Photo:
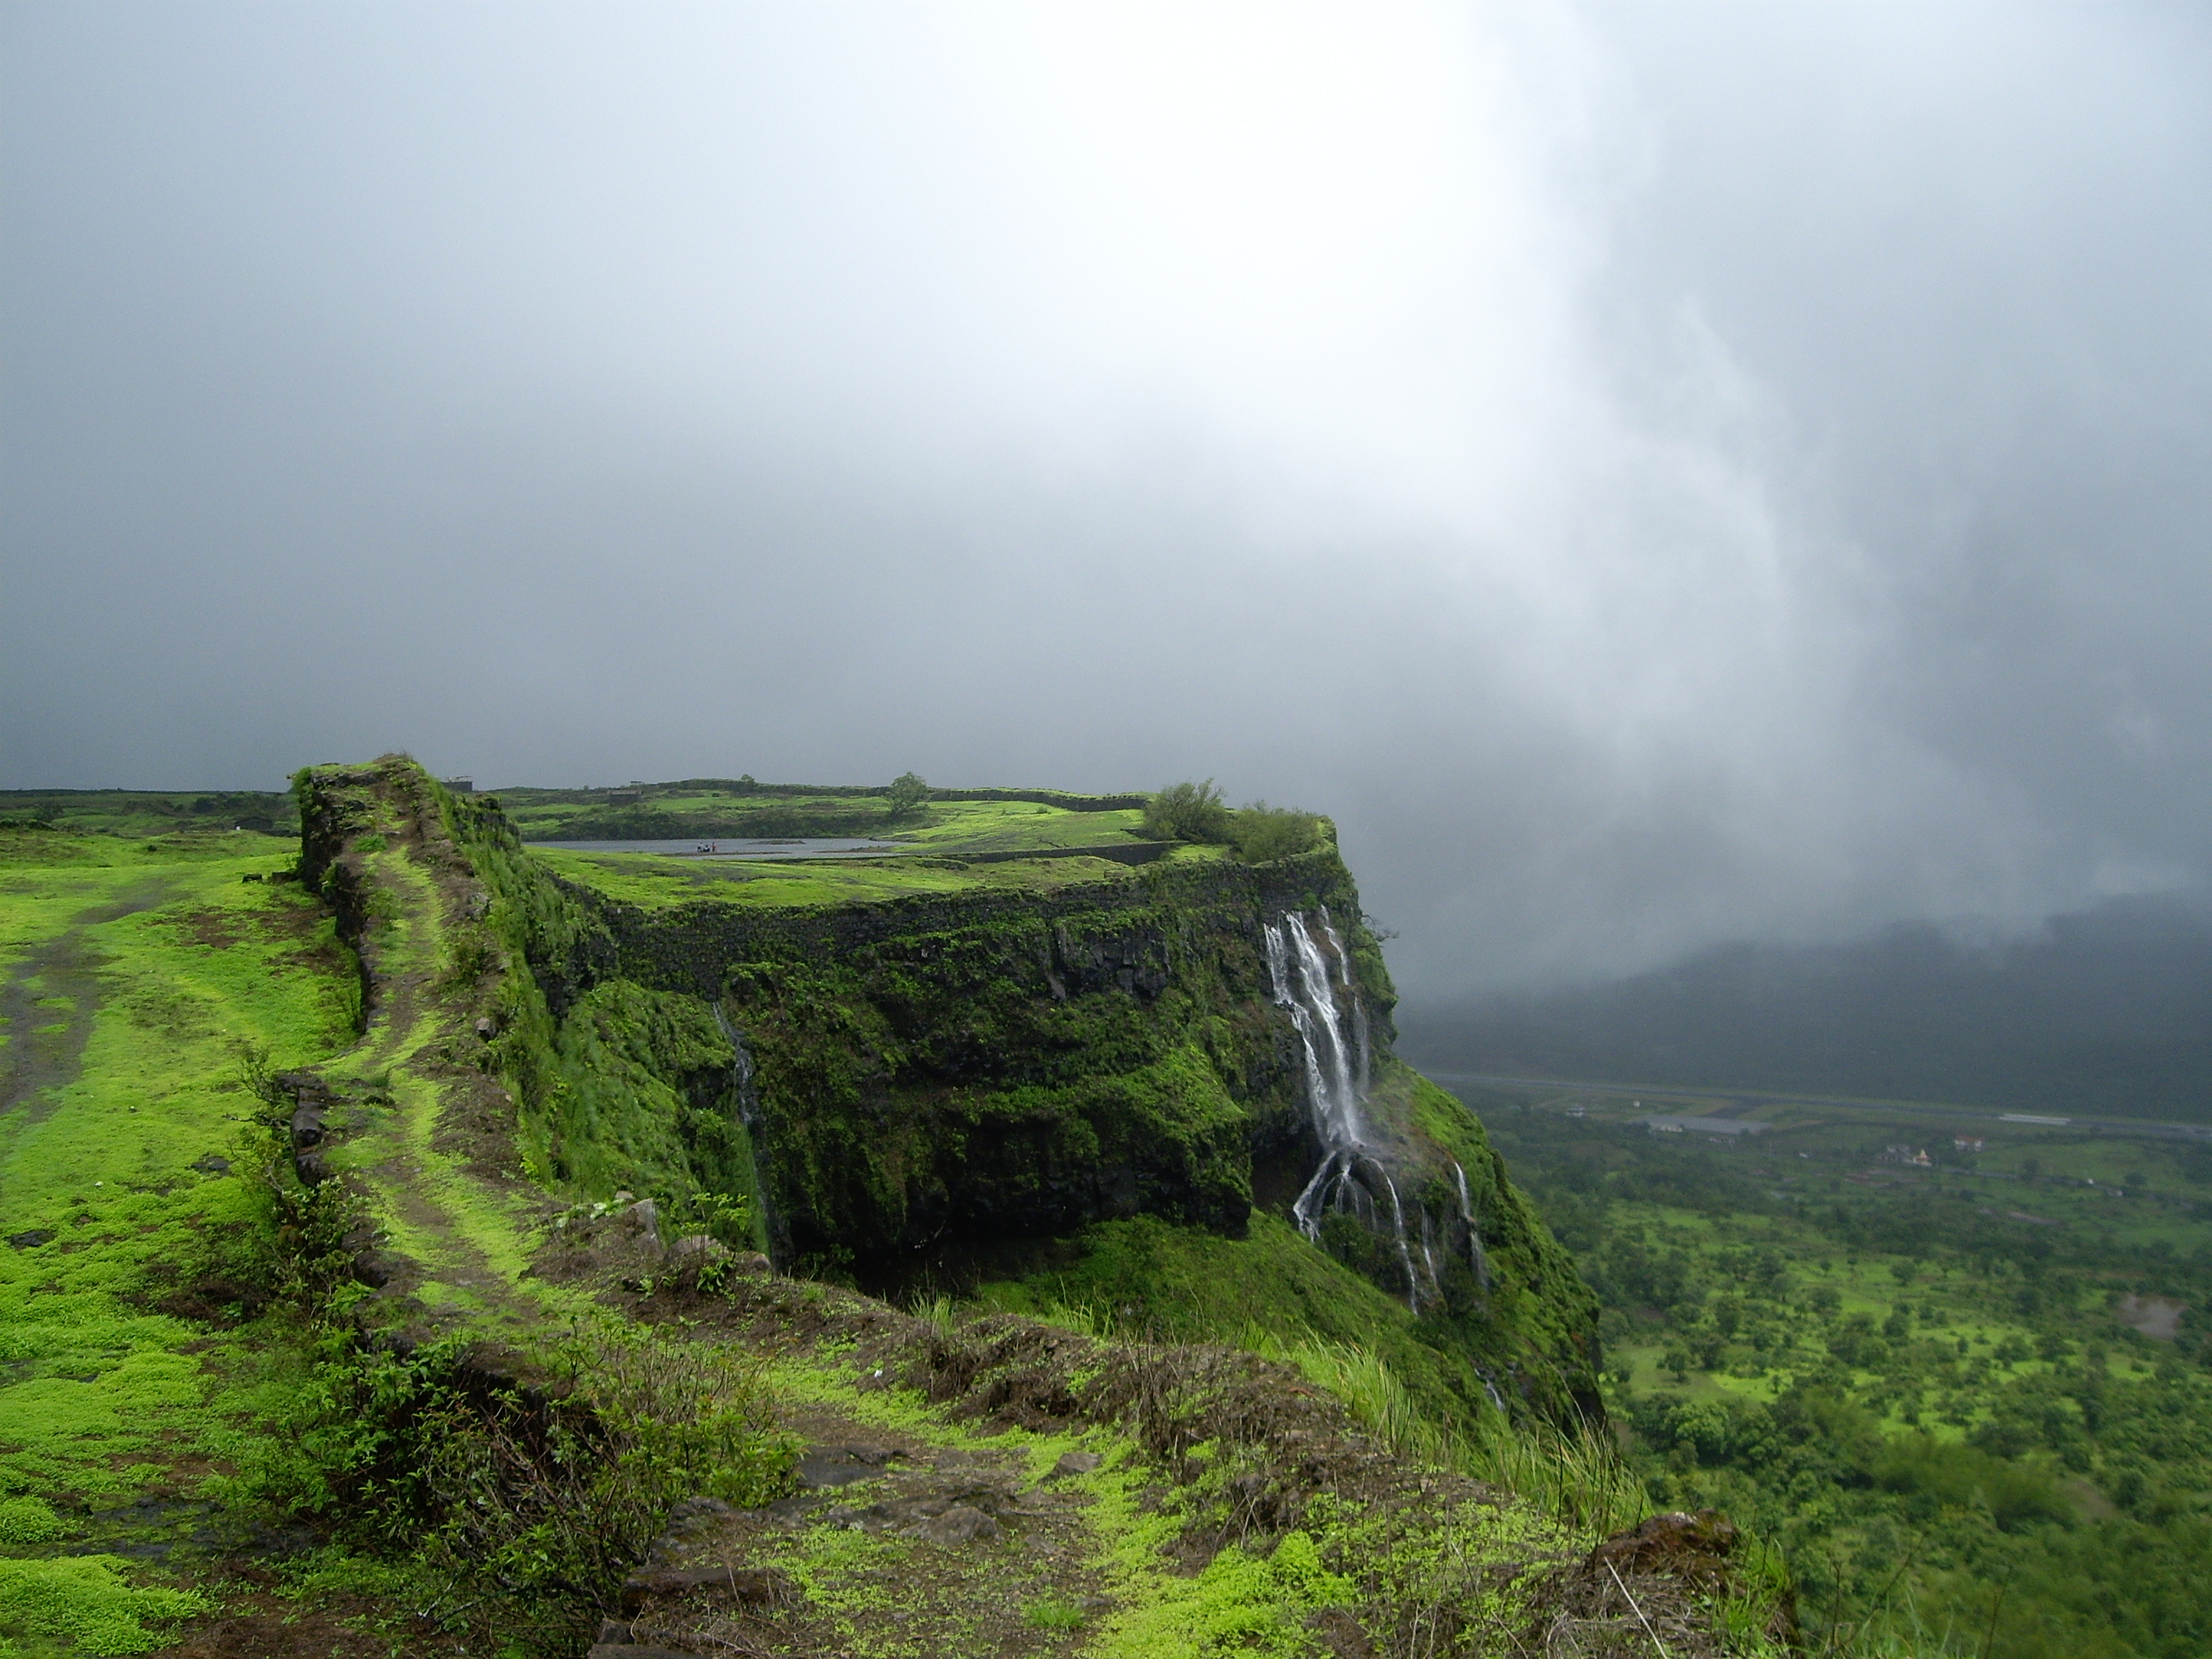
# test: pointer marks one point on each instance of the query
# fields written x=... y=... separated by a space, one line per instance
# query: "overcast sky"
x=1656 y=474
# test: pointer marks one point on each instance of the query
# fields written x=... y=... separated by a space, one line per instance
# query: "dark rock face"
x=939 y=1069
x=922 y=1090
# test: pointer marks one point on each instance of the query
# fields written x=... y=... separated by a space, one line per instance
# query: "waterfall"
x=1337 y=1076
x=749 y=1117
x=1351 y=995
x=1473 y=1232
x=1491 y=1388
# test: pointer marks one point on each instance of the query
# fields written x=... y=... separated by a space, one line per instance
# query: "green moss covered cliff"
x=939 y=1093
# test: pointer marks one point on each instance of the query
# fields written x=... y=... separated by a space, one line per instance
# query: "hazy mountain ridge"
x=2107 y=1011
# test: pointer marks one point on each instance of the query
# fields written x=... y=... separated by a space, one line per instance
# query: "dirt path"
x=908 y=1542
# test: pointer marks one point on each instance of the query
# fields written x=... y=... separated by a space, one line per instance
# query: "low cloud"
x=1656 y=478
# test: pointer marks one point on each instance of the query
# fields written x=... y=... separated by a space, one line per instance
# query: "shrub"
x=1188 y=811
x=1262 y=833
x=86 y=1601
x=907 y=792
x=1259 y=832
x=532 y=1506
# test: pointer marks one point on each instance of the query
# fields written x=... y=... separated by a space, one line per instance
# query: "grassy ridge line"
x=428 y=1126
x=434 y=943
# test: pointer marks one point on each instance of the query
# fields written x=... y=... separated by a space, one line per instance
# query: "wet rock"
x=611 y=1630
x=789 y=1511
x=698 y=1247
x=963 y=1523
x=1075 y=1463
x=213 y=1165
x=32 y=1239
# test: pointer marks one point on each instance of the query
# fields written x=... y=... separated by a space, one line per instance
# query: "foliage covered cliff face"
x=945 y=1088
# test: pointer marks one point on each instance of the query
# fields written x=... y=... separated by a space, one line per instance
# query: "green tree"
x=907 y=792
x=1188 y=811
x=1263 y=833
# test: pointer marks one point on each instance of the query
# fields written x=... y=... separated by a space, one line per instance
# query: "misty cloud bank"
x=1656 y=475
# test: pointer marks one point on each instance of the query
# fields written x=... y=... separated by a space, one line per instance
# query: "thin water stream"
x=748 y=1115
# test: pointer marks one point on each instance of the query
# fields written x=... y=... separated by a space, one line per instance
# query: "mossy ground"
x=660 y=881
x=953 y=828
x=136 y=971
x=1178 y=1531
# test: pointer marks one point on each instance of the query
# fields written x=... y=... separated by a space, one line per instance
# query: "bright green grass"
x=1239 y=1604
x=143 y=813
x=473 y=1238
x=1143 y=1277
x=105 y=1160
x=659 y=882
x=949 y=827
x=993 y=826
x=104 y=1398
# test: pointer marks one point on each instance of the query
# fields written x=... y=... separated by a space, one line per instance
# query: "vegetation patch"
x=1915 y=1378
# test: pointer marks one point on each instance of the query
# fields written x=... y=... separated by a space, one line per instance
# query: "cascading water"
x=1336 y=1081
x=1352 y=999
x=1474 y=1231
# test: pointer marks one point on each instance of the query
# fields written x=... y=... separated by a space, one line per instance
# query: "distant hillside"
x=2109 y=1011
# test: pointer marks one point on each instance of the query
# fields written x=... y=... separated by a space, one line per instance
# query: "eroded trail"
x=414 y=1112
x=899 y=1541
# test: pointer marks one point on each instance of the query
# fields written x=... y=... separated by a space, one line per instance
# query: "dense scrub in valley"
x=1971 y=1396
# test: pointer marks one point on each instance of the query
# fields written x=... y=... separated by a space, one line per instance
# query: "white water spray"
x=1473 y=1232
x=1337 y=1074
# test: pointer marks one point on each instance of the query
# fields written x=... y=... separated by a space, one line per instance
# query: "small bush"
x=28 y=1521
x=907 y=792
x=1262 y=833
x=1259 y=832
x=1188 y=811
x=530 y=1507
x=725 y=1217
x=1055 y=1613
